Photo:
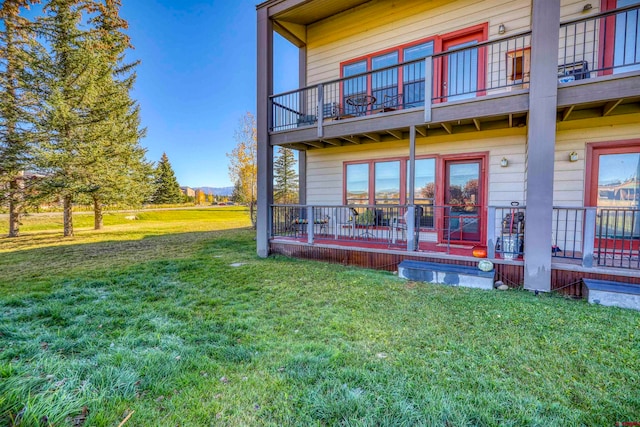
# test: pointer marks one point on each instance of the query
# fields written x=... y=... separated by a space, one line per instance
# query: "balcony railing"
x=607 y=43
x=602 y=44
x=588 y=236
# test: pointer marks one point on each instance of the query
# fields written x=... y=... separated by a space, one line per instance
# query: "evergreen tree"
x=167 y=187
x=90 y=126
x=119 y=172
x=16 y=40
x=285 y=188
x=69 y=78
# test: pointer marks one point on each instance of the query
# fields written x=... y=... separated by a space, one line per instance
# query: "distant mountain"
x=217 y=191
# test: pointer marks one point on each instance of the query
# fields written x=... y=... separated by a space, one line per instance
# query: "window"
x=413 y=74
x=357 y=184
x=356 y=85
x=384 y=84
x=387 y=183
x=425 y=181
x=395 y=87
x=518 y=66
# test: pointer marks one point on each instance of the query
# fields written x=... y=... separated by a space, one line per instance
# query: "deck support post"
x=491 y=232
x=541 y=139
x=589 y=237
x=302 y=177
x=310 y=224
x=411 y=208
x=428 y=88
x=320 y=107
x=263 y=118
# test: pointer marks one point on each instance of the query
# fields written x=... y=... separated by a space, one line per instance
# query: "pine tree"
x=69 y=79
x=90 y=126
x=16 y=40
x=119 y=172
x=285 y=188
x=167 y=187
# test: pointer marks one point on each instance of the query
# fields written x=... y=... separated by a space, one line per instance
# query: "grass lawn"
x=173 y=320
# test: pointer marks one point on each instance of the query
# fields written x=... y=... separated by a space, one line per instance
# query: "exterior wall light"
x=502 y=29
x=587 y=7
x=504 y=162
x=573 y=156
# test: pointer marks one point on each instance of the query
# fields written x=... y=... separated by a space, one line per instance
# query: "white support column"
x=263 y=117
x=541 y=135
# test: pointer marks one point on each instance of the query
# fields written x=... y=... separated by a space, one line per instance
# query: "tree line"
x=69 y=128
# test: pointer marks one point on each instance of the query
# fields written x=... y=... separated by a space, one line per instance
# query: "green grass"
x=149 y=316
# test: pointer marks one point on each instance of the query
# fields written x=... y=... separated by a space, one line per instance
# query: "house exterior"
x=433 y=129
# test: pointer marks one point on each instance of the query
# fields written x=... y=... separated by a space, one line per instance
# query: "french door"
x=614 y=188
x=620 y=38
x=464 y=200
x=463 y=69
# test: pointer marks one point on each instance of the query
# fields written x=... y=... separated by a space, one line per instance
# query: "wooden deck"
x=383 y=254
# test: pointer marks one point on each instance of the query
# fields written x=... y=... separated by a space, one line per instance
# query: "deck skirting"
x=565 y=280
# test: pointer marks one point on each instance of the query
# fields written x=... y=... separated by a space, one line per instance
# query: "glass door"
x=463 y=199
x=615 y=191
x=626 y=53
x=462 y=72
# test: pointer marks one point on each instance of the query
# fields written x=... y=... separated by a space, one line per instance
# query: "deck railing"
x=618 y=238
x=601 y=44
x=604 y=237
x=598 y=45
x=396 y=227
x=485 y=68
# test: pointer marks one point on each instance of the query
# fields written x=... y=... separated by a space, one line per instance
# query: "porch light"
x=504 y=162
x=502 y=29
x=587 y=7
x=573 y=156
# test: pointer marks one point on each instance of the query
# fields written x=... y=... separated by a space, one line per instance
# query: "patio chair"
x=391 y=103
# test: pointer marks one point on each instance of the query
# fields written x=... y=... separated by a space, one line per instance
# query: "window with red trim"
x=392 y=87
x=385 y=181
x=459 y=75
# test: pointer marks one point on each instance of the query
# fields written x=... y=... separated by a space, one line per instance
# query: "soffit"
x=317 y=10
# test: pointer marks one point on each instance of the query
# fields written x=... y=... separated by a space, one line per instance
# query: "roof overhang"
x=291 y=17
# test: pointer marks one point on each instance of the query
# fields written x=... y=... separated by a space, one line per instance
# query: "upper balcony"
x=468 y=87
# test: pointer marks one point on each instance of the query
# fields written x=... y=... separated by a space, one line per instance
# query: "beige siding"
x=385 y=24
x=569 y=183
x=382 y=24
x=325 y=167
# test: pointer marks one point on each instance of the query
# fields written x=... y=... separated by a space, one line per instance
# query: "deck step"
x=447 y=274
x=616 y=294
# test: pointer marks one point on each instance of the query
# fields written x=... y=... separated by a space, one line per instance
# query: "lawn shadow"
x=66 y=257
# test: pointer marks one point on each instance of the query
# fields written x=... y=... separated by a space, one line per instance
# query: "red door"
x=614 y=188
x=463 y=70
x=464 y=199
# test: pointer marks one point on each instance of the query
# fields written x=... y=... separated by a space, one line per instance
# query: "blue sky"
x=197 y=79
